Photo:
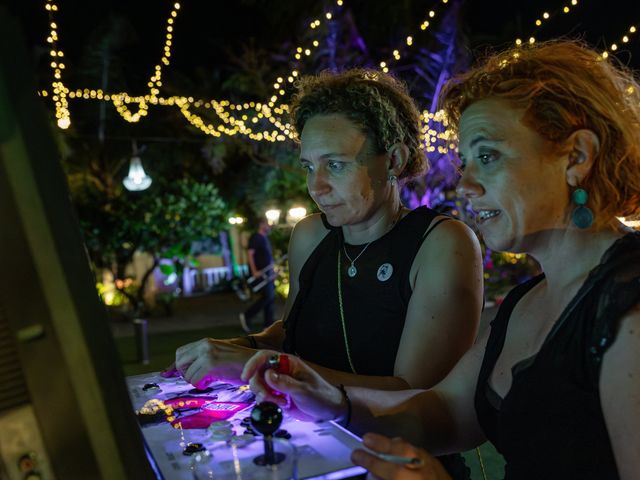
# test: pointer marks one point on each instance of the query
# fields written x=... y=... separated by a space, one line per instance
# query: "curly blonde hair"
x=563 y=86
x=376 y=102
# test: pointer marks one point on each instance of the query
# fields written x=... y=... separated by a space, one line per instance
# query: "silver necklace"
x=352 y=271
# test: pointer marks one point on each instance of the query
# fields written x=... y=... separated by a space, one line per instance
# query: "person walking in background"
x=260 y=260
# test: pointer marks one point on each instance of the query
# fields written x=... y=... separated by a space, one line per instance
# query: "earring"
x=582 y=216
x=393 y=179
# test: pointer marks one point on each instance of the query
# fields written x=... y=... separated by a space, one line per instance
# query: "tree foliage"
x=163 y=221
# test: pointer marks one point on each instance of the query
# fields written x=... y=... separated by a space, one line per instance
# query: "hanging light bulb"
x=137 y=179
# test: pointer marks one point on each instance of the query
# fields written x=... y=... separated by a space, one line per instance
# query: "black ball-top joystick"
x=266 y=418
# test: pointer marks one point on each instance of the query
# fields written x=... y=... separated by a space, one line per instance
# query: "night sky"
x=210 y=34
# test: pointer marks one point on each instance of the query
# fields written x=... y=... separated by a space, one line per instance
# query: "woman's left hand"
x=426 y=468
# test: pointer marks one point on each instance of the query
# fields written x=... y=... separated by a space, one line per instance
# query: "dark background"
x=209 y=36
x=236 y=49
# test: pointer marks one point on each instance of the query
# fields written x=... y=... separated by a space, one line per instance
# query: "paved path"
x=196 y=313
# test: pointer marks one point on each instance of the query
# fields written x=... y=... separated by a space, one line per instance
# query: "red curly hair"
x=563 y=86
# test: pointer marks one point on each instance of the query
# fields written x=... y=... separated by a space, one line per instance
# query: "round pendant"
x=384 y=272
x=352 y=271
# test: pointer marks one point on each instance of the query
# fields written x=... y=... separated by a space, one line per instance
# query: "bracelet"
x=252 y=341
x=347 y=417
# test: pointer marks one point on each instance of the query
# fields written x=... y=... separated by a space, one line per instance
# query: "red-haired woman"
x=549 y=139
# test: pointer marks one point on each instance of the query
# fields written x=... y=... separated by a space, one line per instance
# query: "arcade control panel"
x=218 y=432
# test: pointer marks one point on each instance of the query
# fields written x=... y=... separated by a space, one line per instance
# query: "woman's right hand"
x=307 y=396
x=426 y=466
x=205 y=361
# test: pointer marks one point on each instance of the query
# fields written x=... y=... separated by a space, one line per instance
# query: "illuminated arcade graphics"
x=211 y=433
x=62 y=392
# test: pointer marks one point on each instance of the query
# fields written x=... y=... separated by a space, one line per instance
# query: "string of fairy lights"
x=225 y=110
x=269 y=110
x=626 y=37
x=249 y=118
x=544 y=17
x=384 y=65
x=60 y=91
x=124 y=102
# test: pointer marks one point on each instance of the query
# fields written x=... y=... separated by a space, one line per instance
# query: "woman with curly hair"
x=549 y=139
x=380 y=296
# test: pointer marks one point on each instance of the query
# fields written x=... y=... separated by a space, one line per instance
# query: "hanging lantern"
x=137 y=179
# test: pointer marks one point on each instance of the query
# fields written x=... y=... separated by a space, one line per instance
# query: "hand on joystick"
x=279 y=363
x=266 y=418
x=307 y=396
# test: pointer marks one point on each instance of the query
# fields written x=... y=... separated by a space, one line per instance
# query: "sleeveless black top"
x=550 y=424
x=374 y=302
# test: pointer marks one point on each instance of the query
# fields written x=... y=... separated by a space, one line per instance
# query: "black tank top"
x=374 y=302
x=550 y=424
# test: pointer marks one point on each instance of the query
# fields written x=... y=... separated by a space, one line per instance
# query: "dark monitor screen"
x=56 y=350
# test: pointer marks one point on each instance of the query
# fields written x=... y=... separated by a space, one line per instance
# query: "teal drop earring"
x=582 y=216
